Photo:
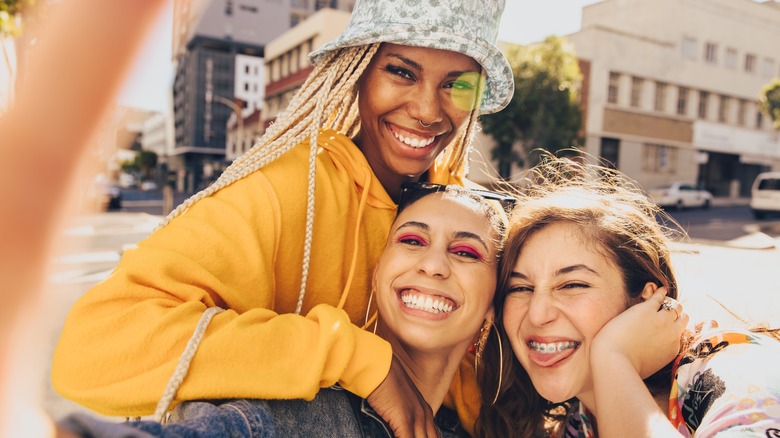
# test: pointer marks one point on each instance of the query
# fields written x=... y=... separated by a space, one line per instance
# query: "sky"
x=523 y=22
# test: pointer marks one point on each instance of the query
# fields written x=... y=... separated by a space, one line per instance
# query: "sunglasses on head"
x=412 y=191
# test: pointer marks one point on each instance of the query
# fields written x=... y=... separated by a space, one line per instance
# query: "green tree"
x=544 y=112
x=145 y=162
x=10 y=16
x=142 y=165
x=769 y=102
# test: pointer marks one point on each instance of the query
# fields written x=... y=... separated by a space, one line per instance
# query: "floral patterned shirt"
x=726 y=385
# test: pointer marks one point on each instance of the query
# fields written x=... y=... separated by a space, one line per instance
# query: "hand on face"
x=646 y=334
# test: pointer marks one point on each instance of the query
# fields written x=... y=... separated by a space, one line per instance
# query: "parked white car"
x=680 y=195
x=765 y=196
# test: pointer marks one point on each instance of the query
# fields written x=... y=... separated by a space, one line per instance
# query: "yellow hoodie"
x=241 y=249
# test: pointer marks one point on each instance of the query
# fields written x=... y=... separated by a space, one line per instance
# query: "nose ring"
x=424 y=125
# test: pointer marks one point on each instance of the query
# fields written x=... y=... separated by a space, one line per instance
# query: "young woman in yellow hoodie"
x=252 y=289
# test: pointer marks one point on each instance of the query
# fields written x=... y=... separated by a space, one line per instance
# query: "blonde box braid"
x=323 y=101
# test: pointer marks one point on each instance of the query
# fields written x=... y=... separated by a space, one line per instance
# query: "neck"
x=431 y=371
x=390 y=180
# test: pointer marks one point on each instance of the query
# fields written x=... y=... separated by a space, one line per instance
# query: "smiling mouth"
x=552 y=347
x=413 y=141
x=426 y=303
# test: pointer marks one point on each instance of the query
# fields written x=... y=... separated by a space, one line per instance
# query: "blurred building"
x=218 y=50
x=287 y=67
x=287 y=63
x=672 y=86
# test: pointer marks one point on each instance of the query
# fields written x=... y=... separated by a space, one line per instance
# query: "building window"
x=636 y=91
x=767 y=67
x=723 y=108
x=610 y=152
x=759 y=120
x=660 y=96
x=750 y=63
x=689 y=48
x=228 y=7
x=659 y=159
x=248 y=8
x=741 y=109
x=703 y=98
x=682 y=101
x=731 y=58
x=612 y=91
x=296 y=59
x=711 y=53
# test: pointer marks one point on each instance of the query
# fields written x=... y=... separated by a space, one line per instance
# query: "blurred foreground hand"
x=71 y=77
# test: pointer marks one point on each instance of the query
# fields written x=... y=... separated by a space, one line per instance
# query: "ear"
x=373 y=278
x=648 y=290
x=490 y=315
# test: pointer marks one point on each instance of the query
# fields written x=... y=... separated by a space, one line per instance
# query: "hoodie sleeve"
x=122 y=340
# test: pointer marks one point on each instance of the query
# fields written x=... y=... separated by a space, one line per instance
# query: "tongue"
x=550 y=359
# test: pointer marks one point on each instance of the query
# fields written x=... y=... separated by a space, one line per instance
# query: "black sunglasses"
x=412 y=191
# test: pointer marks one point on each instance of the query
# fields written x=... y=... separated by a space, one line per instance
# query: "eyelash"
x=466 y=251
x=399 y=71
x=461 y=85
x=412 y=239
x=406 y=74
x=520 y=289
x=575 y=284
x=529 y=289
x=459 y=250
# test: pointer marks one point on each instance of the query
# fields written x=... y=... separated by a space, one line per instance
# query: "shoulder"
x=285 y=179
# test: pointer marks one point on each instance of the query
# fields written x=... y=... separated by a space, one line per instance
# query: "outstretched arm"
x=70 y=80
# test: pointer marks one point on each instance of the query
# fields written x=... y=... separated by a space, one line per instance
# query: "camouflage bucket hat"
x=469 y=27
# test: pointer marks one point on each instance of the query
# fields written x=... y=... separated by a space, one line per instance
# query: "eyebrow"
x=566 y=270
x=418 y=67
x=457 y=235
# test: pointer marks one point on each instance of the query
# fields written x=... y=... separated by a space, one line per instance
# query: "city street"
x=728 y=260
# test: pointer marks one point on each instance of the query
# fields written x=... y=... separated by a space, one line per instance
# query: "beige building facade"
x=672 y=89
x=286 y=57
x=669 y=91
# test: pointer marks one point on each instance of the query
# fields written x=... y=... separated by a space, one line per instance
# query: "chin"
x=552 y=391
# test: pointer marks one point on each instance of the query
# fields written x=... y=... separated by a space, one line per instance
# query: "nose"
x=434 y=263
x=541 y=309
x=425 y=104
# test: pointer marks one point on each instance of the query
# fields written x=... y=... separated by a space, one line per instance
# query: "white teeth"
x=414 y=142
x=553 y=347
x=426 y=303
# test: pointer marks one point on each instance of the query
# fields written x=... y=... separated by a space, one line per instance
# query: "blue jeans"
x=334 y=412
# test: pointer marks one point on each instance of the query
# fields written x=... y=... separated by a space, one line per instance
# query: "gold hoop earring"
x=484 y=334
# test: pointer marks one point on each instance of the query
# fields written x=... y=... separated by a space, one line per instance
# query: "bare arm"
x=633 y=346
